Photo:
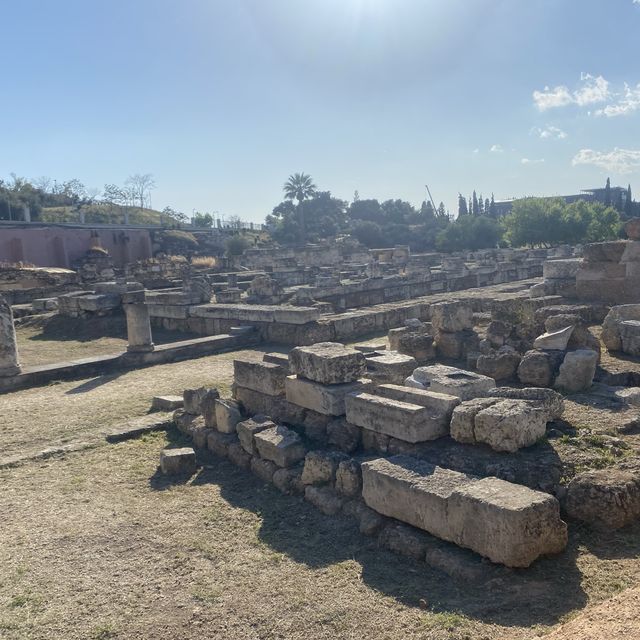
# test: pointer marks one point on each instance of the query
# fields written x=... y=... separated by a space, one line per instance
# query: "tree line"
x=308 y=214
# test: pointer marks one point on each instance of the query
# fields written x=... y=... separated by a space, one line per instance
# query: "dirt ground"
x=96 y=544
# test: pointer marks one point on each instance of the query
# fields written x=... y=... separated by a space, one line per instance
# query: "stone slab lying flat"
x=451 y=380
x=329 y=400
x=166 y=403
x=502 y=521
x=402 y=420
x=280 y=445
x=264 y=377
x=327 y=363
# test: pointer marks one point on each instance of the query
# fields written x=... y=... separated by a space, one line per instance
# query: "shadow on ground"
x=541 y=594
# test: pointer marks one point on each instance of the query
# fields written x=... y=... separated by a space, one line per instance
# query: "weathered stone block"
x=166 y=403
x=550 y=400
x=264 y=469
x=500 y=365
x=611 y=251
x=323 y=498
x=327 y=363
x=346 y=437
x=247 y=429
x=391 y=367
x=455 y=346
x=577 y=370
x=289 y=480
x=463 y=419
x=565 y=268
x=349 y=478
x=630 y=337
x=451 y=316
x=219 y=443
x=402 y=420
x=510 y=425
x=539 y=368
x=418 y=345
x=264 y=377
x=178 y=461
x=452 y=381
x=238 y=455
x=322 y=398
x=320 y=467
x=280 y=445
x=506 y=522
x=193 y=398
x=281 y=359
x=228 y=415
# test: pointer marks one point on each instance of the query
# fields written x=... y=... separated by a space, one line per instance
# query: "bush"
x=236 y=245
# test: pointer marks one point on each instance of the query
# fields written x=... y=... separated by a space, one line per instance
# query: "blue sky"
x=222 y=99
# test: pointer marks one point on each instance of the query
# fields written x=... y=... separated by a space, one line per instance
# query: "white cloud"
x=550 y=132
x=592 y=90
x=552 y=98
x=496 y=148
x=627 y=103
x=616 y=161
x=529 y=161
x=476 y=151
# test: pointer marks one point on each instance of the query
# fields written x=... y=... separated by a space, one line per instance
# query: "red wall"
x=61 y=246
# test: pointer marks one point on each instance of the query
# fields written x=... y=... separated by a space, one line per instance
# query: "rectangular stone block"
x=413 y=491
x=281 y=359
x=178 y=461
x=506 y=522
x=327 y=363
x=228 y=415
x=166 y=403
x=325 y=399
x=247 y=429
x=391 y=367
x=264 y=377
x=402 y=420
x=281 y=445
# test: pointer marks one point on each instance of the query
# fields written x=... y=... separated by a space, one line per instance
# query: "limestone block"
x=506 y=522
x=611 y=251
x=453 y=381
x=187 y=423
x=254 y=402
x=166 y=403
x=549 y=399
x=412 y=491
x=281 y=359
x=200 y=437
x=630 y=337
x=248 y=428
x=195 y=398
x=509 y=425
x=322 y=398
x=280 y=445
x=370 y=521
x=402 y=420
x=327 y=363
x=289 y=480
x=391 y=367
x=606 y=498
x=320 y=467
x=455 y=346
x=324 y=498
x=554 y=340
x=371 y=347
x=418 y=345
x=631 y=252
x=632 y=228
x=238 y=455
x=539 y=368
x=451 y=316
x=349 y=478
x=264 y=469
x=178 y=461
x=440 y=405
x=577 y=370
x=228 y=415
x=264 y=377
x=403 y=540
x=346 y=437
x=99 y=302
x=499 y=366
x=565 y=268
x=611 y=324
x=394 y=336
x=462 y=425
x=220 y=443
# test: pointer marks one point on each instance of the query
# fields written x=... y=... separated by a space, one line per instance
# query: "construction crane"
x=433 y=204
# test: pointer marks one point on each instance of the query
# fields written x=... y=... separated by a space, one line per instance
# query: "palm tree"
x=299 y=187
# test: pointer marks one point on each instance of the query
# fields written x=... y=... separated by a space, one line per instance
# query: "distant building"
x=618 y=195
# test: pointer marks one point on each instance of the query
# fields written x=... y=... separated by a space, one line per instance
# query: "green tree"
x=236 y=245
x=607 y=193
x=300 y=187
x=628 y=204
x=474 y=204
x=469 y=232
x=462 y=206
x=202 y=219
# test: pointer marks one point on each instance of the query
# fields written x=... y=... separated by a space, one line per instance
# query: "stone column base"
x=140 y=348
x=7 y=372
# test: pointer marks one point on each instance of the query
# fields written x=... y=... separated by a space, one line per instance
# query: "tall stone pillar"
x=8 y=348
x=138 y=323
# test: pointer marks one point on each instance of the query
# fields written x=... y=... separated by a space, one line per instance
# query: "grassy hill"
x=102 y=213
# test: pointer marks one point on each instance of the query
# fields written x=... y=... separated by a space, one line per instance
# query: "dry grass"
x=204 y=261
x=99 y=545
x=81 y=410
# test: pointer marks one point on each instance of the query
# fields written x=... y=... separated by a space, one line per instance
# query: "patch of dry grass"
x=99 y=545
